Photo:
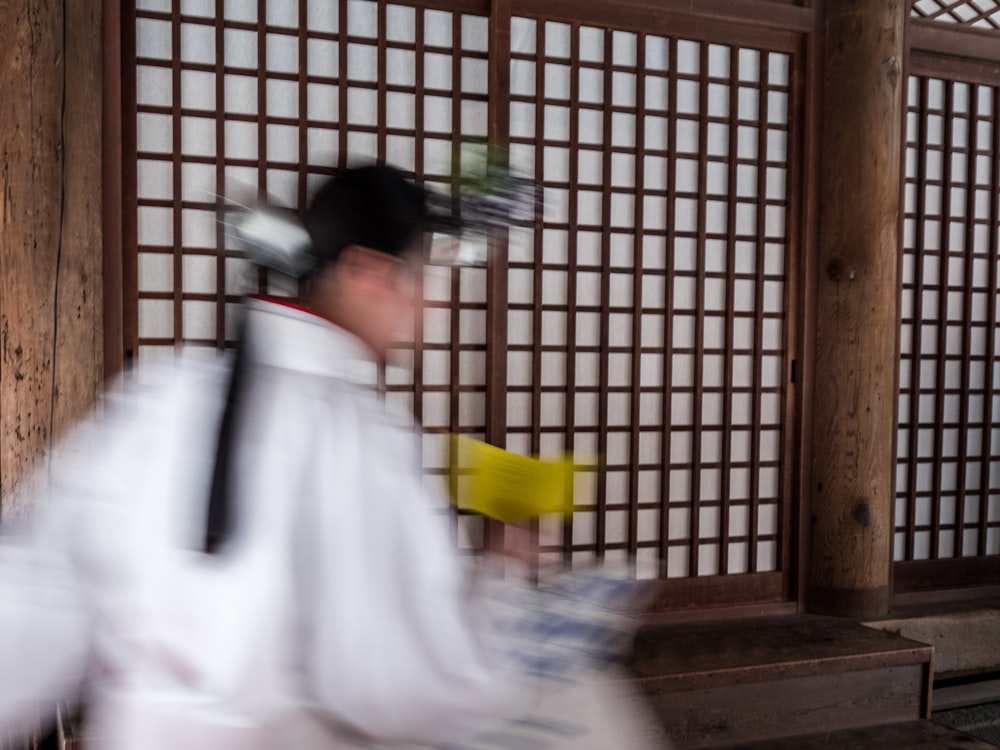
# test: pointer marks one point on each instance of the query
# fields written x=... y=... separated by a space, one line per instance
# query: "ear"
x=356 y=261
x=334 y=280
x=351 y=259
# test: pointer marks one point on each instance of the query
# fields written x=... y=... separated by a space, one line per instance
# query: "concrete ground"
x=979 y=721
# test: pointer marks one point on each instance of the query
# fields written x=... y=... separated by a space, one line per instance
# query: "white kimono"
x=338 y=612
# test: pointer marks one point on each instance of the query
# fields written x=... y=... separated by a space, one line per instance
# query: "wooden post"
x=496 y=308
x=50 y=229
x=498 y=126
x=856 y=316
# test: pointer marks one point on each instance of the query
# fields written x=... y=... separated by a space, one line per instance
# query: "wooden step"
x=718 y=683
x=958 y=690
x=966 y=640
x=908 y=735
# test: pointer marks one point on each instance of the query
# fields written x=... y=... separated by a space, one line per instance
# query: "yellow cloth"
x=507 y=486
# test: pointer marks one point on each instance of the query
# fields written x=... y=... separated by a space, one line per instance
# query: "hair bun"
x=275 y=239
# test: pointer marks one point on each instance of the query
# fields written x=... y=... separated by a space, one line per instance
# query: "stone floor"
x=979 y=721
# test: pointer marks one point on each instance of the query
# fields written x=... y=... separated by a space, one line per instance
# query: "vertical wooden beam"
x=79 y=348
x=51 y=299
x=855 y=366
x=111 y=194
x=496 y=301
x=804 y=375
x=128 y=147
x=497 y=291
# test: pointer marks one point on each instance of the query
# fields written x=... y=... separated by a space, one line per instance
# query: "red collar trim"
x=282 y=302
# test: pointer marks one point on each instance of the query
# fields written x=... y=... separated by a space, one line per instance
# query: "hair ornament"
x=272 y=237
x=487 y=195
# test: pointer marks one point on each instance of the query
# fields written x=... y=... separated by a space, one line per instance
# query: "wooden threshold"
x=908 y=735
x=702 y=655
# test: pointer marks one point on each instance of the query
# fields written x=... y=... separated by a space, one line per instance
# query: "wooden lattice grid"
x=673 y=336
x=978 y=14
x=666 y=363
x=235 y=98
x=948 y=467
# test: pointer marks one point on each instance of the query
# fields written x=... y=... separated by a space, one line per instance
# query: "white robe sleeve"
x=53 y=565
x=395 y=646
x=45 y=618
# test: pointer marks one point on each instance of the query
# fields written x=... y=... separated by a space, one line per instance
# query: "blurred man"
x=246 y=558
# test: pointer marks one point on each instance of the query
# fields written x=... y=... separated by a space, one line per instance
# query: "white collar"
x=281 y=335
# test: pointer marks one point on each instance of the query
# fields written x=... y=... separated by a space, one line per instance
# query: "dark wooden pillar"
x=856 y=316
x=50 y=229
x=498 y=275
x=496 y=308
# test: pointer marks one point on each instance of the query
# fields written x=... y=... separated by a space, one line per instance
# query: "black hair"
x=374 y=206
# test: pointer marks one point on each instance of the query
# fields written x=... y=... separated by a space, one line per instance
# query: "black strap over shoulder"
x=220 y=517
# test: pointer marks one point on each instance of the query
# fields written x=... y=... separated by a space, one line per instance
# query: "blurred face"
x=370 y=294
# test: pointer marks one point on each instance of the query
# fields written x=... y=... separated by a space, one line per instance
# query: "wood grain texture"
x=715 y=717
x=717 y=683
x=965 y=642
x=50 y=248
x=112 y=196
x=856 y=304
x=907 y=735
x=683 y=656
x=80 y=342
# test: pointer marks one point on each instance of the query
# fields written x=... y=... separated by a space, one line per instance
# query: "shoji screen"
x=647 y=314
x=948 y=471
x=235 y=97
x=650 y=315
x=978 y=14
